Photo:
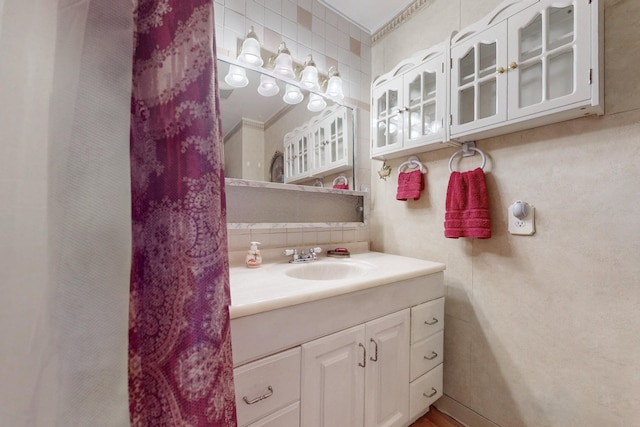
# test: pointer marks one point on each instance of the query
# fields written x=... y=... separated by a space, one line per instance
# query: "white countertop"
x=256 y=290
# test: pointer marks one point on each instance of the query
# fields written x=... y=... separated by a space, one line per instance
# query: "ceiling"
x=371 y=15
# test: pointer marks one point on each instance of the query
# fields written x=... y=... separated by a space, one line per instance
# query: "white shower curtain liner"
x=65 y=220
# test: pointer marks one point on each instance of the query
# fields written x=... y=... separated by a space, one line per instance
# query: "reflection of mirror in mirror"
x=255 y=123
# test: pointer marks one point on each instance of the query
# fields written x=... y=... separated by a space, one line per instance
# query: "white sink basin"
x=327 y=270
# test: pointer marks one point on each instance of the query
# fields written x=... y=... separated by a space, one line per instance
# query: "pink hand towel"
x=410 y=184
x=467 y=206
x=340 y=186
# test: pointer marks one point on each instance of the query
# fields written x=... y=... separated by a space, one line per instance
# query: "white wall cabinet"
x=358 y=377
x=526 y=64
x=319 y=147
x=529 y=63
x=408 y=107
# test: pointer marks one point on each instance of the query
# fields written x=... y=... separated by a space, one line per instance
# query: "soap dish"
x=339 y=253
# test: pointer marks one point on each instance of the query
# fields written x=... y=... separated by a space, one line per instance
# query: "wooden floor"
x=435 y=418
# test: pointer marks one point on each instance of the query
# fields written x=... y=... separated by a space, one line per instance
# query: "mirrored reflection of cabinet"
x=530 y=63
x=409 y=105
x=320 y=147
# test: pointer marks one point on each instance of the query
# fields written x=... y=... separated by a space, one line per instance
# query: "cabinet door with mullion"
x=549 y=56
x=479 y=81
x=387 y=117
x=423 y=111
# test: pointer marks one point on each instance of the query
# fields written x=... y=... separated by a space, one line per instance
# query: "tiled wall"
x=307 y=27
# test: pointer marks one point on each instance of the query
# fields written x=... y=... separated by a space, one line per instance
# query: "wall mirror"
x=269 y=140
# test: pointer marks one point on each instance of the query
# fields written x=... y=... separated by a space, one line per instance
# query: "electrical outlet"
x=525 y=226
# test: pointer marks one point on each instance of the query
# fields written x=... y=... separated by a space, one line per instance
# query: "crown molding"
x=399 y=19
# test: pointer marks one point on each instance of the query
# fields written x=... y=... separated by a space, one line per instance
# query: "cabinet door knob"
x=259 y=398
x=513 y=65
x=375 y=355
x=364 y=356
x=433 y=393
x=432 y=322
x=432 y=356
x=500 y=70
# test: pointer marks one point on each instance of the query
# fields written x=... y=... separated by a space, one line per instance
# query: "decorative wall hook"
x=384 y=171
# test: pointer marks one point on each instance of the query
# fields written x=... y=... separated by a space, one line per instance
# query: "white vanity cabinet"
x=268 y=391
x=408 y=106
x=358 y=377
x=530 y=62
x=427 y=350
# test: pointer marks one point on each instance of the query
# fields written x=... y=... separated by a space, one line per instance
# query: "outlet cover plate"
x=522 y=227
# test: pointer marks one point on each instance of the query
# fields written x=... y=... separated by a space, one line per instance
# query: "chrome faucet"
x=302 y=256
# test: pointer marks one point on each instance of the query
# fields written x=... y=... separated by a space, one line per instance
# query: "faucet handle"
x=315 y=250
x=290 y=252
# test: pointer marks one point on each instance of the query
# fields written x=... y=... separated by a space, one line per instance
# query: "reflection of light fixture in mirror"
x=236 y=77
x=334 y=87
x=309 y=77
x=316 y=103
x=292 y=94
x=268 y=86
x=250 y=52
x=284 y=63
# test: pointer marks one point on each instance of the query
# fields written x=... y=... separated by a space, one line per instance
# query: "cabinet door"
x=319 y=143
x=387 y=117
x=332 y=390
x=479 y=81
x=338 y=139
x=289 y=157
x=387 y=372
x=423 y=109
x=549 y=56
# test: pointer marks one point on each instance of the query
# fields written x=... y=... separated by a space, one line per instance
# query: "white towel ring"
x=341 y=178
x=466 y=150
x=413 y=162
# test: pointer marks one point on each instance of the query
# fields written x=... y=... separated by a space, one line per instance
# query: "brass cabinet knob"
x=513 y=65
x=500 y=70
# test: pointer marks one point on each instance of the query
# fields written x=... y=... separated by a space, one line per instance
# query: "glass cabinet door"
x=424 y=112
x=548 y=60
x=478 y=80
x=319 y=143
x=387 y=133
x=337 y=139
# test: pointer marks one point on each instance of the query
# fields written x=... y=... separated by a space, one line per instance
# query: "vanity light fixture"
x=334 y=86
x=284 y=63
x=316 y=103
x=250 y=52
x=236 y=77
x=268 y=85
x=309 y=77
x=292 y=94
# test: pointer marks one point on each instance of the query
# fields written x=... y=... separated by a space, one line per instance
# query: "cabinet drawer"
x=427 y=319
x=424 y=391
x=285 y=417
x=427 y=354
x=267 y=385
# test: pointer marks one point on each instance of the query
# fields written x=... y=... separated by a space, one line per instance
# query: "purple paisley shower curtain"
x=180 y=366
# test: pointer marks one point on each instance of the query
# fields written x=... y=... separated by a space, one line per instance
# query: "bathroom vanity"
x=337 y=342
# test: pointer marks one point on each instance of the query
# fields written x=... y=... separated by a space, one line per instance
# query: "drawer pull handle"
x=432 y=356
x=375 y=355
x=364 y=356
x=433 y=322
x=433 y=393
x=259 y=398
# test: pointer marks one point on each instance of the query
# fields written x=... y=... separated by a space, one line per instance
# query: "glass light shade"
x=250 y=53
x=292 y=95
x=268 y=86
x=284 y=66
x=236 y=77
x=334 y=88
x=316 y=103
x=309 y=77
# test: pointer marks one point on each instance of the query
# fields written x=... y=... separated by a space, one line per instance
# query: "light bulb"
x=268 y=86
x=292 y=95
x=316 y=103
x=236 y=77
